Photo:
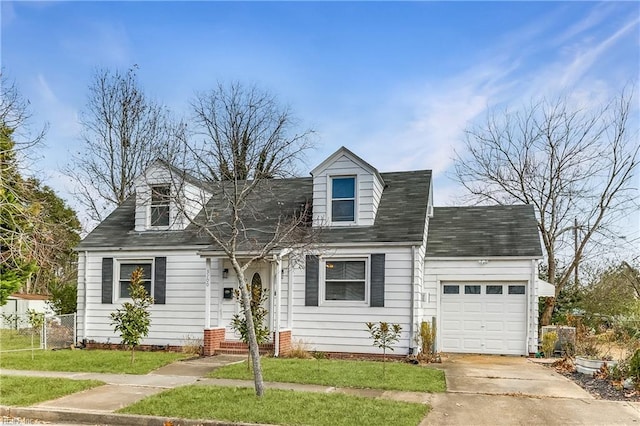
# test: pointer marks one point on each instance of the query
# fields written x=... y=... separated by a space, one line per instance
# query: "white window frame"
x=322 y=281
x=355 y=200
x=151 y=205
x=116 y=275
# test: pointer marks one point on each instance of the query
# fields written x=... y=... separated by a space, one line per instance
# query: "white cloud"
x=62 y=117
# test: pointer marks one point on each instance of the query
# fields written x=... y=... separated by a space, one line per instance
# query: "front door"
x=258 y=279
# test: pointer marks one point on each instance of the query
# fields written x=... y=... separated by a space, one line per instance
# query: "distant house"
x=19 y=304
x=387 y=255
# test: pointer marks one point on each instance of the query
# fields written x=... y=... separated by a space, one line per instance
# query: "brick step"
x=232 y=347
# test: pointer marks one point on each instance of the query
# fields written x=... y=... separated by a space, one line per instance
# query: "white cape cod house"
x=386 y=254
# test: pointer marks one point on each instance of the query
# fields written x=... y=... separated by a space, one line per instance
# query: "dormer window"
x=160 y=201
x=343 y=199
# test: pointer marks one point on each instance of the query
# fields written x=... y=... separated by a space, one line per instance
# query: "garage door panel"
x=493 y=326
x=494 y=308
x=455 y=344
x=472 y=307
x=485 y=322
x=473 y=326
x=472 y=344
x=451 y=307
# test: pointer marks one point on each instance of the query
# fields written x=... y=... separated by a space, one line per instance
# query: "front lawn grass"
x=352 y=374
x=95 y=361
x=12 y=339
x=277 y=407
x=22 y=391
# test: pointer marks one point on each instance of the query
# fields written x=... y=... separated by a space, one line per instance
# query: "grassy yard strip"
x=277 y=407
x=11 y=340
x=95 y=361
x=354 y=374
x=23 y=391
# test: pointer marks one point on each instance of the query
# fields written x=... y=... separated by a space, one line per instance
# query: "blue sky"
x=397 y=83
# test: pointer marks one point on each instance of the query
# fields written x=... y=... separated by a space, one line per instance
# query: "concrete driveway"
x=501 y=390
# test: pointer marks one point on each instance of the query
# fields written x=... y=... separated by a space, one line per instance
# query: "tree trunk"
x=254 y=350
x=549 y=304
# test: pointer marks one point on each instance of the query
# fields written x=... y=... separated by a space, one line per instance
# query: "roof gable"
x=344 y=152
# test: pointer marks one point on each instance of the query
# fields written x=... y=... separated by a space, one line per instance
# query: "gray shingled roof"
x=401 y=216
x=483 y=231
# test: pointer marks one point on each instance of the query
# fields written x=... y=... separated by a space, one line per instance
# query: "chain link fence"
x=60 y=331
x=28 y=332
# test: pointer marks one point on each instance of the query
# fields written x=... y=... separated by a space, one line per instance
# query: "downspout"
x=413 y=297
x=85 y=316
x=207 y=294
x=531 y=309
x=290 y=296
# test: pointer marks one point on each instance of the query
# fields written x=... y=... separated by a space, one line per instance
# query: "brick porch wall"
x=284 y=342
x=212 y=339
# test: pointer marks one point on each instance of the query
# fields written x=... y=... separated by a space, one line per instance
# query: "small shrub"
x=299 y=349
x=549 y=340
x=133 y=320
x=427 y=339
x=36 y=321
x=318 y=355
x=192 y=345
x=384 y=336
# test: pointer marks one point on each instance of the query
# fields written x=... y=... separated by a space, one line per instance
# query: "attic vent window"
x=160 y=200
x=343 y=199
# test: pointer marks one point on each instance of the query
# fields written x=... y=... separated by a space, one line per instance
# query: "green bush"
x=549 y=343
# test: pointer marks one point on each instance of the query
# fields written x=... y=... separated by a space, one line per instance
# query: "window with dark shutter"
x=377 y=280
x=311 y=281
x=160 y=281
x=107 y=280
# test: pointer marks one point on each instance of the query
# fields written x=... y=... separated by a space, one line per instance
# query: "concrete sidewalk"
x=482 y=390
x=97 y=405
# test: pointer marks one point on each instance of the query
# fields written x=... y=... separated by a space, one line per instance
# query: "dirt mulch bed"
x=602 y=388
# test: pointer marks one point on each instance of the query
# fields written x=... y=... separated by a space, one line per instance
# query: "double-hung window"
x=124 y=278
x=160 y=201
x=345 y=280
x=343 y=199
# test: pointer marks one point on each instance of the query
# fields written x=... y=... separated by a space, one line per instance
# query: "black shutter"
x=377 y=280
x=160 y=284
x=107 y=280
x=311 y=281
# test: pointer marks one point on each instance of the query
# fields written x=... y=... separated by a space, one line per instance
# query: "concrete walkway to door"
x=506 y=390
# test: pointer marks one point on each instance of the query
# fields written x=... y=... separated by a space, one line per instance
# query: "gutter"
x=413 y=298
x=85 y=311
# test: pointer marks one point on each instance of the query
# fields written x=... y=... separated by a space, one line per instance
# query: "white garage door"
x=486 y=318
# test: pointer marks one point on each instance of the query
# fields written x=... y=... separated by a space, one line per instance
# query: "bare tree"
x=575 y=166
x=244 y=141
x=123 y=131
x=15 y=115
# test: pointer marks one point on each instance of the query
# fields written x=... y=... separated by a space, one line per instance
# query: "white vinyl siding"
x=182 y=315
x=335 y=328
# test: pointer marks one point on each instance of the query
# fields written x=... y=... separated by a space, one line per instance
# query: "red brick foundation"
x=212 y=339
x=284 y=342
